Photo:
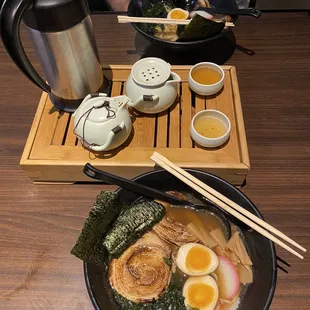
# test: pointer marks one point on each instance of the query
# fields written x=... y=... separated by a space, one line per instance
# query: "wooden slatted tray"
x=53 y=153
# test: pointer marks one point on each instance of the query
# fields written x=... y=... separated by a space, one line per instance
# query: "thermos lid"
x=56 y=15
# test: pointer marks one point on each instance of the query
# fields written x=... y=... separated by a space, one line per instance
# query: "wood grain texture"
x=174 y=140
x=186 y=116
x=39 y=224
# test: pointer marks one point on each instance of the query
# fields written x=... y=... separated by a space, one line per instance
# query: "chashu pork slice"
x=141 y=273
x=174 y=232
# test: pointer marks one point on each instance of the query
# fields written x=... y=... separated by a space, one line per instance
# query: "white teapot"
x=102 y=123
x=151 y=86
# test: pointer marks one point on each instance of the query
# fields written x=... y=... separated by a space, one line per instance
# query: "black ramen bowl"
x=135 y=9
x=258 y=295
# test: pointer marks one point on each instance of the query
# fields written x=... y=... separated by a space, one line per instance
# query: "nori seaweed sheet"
x=89 y=246
x=199 y=28
x=131 y=224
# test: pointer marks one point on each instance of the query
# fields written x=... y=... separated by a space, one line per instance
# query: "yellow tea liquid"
x=210 y=127
x=206 y=75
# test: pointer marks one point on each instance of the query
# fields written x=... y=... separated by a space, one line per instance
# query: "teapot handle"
x=111 y=135
x=89 y=96
x=176 y=79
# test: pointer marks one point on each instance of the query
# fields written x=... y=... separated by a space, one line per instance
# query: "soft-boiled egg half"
x=200 y=293
x=196 y=259
x=178 y=14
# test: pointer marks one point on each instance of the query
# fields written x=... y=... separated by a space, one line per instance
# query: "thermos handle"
x=11 y=14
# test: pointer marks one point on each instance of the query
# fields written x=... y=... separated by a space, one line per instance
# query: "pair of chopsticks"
x=148 y=20
x=228 y=205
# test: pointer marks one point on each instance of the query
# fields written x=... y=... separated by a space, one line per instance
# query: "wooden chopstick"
x=148 y=20
x=233 y=204
x=218 y=198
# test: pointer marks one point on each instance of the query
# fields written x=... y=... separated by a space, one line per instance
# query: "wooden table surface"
x=40 y=223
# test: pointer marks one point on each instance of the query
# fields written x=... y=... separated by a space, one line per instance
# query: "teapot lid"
x=99 y=109
x=150 y=71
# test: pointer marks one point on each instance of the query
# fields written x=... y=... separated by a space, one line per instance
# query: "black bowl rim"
x=182 y=43
x=185 y=43
x=273 y=250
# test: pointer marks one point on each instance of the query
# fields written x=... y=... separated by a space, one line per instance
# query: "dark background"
x=264 y=5
x=97 y=6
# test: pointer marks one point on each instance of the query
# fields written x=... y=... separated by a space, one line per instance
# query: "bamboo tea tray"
x=53 y=154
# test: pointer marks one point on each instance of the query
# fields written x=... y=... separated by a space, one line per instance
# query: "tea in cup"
x=210 y=128
x=206 y=78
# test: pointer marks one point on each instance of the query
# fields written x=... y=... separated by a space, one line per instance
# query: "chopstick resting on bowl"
x=148 y=20
x=228 y=205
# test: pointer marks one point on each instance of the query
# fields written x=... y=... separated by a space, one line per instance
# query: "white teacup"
x=204 y=89
x=210 y=142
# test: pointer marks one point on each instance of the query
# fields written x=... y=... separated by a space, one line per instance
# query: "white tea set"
x=103 y=123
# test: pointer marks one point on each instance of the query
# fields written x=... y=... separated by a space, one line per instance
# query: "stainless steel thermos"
x=63 y=39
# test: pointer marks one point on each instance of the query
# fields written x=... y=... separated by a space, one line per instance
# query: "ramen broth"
x=206 y=75
x=187 y=216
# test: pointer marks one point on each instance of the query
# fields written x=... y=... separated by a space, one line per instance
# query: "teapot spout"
x=110 y=138
x=139 y=103
x=122 y=101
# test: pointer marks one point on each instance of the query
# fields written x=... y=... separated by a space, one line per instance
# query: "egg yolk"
x=197 y=259
x=177 y=15
x=200 y=295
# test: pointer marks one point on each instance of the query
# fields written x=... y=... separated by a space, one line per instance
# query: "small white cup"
x=210 y=142
x=203 y=89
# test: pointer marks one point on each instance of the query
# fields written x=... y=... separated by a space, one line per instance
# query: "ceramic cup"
x=210 y=142
x=202 y=89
